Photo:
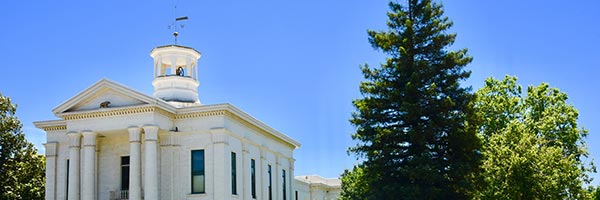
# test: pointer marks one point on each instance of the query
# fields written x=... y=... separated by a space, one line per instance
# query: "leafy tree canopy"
x=22 y=170
x=533 y=147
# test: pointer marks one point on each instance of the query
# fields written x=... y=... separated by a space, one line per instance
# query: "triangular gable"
x=106 y=91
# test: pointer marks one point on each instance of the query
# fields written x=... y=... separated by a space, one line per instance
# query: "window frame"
x=233 y=173
x=284 y=185
x=199 y=172
x=253 y=178
x=125 y=165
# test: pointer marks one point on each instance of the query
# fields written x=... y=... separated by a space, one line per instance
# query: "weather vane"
x=175 y=25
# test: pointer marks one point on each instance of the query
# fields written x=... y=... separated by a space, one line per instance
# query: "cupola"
x=176 y=74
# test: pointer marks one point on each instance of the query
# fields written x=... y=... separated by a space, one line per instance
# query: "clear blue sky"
x=292 y=64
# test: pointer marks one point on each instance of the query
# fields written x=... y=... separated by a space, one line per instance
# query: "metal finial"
x=175 y=26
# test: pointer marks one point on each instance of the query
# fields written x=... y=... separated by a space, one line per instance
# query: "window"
x=283 y=176
x=125 y=173
x=296 y=194
x=253 y=177
x=197 y=171
x=233 y=174
x=269 y=184
x=67 y=185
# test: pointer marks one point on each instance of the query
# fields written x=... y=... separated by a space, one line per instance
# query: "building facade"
x=316 y=187
x=112 y=142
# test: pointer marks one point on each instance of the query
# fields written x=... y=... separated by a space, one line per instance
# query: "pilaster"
x=278 y=184
x=220 y=152
x=290 y=177
x=51 y=150
x=263 y=174
x=168 y=178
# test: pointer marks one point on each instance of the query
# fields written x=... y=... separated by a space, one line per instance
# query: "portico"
x=83 y=144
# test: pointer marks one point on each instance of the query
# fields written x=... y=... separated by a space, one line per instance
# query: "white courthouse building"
x=113 y=142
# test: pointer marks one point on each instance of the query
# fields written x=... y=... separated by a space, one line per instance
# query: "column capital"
x=291 y=163
x=134 y=134
x=245 y=149
x=51 y=149
x=169 y=139
x=89 y=138
x=151 y=132
x=74 y=139
x=262 y=153
x=219 y=135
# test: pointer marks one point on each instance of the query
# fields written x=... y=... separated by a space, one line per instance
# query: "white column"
x=88 y=190
x=158 y=67
x=51 y=170
x=151 y=162
x=188 y=68
x=173 y=65
x=195 y=70
x=135 y=164
x=74 y=147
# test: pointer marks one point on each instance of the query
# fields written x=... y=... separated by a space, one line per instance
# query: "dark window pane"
x=233 y=174
x=269 y=186
x=125 y=178
x=67 y=185
x=198 y=161
x=253 y=177
x=283 y=176
x=125 y=160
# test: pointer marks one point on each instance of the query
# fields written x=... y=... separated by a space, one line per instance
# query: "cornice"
x=252 y=122
x=55 y=128
x=230 y=111
x=201 y=114
x=119 y=111
x=51 y=125
x=226 y=110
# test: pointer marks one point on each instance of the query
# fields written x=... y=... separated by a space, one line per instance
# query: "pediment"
x=96 y=96
x=106 y=98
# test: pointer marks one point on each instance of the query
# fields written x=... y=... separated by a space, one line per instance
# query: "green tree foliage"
x=22 y=170
x=411 y=124
x=532 y=145
x=354 y=182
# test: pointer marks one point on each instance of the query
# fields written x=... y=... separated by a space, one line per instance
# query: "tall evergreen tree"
x=22 y=170
x=411 y=124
